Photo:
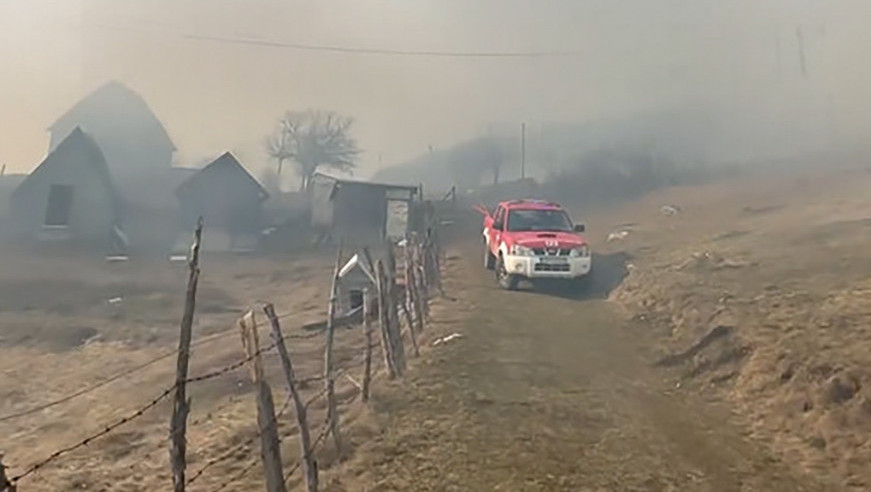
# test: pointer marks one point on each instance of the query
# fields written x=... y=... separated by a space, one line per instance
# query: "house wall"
x=132 y=150
x=360 y=206
x=92 y=212
x=321 y=205
x=224 y=202
x=357 y=211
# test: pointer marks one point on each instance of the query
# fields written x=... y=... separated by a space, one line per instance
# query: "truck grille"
x=551 y=252
x=546 y=267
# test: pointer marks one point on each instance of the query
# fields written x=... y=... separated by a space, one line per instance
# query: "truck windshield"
x=538 y=220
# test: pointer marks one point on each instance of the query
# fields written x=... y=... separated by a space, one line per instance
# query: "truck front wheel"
x=506 y=280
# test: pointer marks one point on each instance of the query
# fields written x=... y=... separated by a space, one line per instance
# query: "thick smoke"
x=729 y=81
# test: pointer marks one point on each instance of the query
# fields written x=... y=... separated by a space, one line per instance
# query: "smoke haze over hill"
x=757 y=78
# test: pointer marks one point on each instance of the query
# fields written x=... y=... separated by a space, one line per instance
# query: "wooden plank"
x=367 y=326
x=383 y=320
x=181 y=403
x=307 y=459
x=270 y=449
x=394 y=335
x=269 y=443
x=329 y=373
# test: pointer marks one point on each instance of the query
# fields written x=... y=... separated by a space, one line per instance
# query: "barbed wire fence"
x=383 y=302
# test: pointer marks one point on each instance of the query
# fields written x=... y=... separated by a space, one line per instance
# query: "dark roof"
x=338 y=180
x=77 y=145
x=114 y=97
x=226 y=163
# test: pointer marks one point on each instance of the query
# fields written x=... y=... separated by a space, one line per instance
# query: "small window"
x=356 y=296
x=60 y=200
x=500 y=215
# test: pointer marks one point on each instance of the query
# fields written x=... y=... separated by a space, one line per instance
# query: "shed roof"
x=116 y=98
x=389 y=186
x=77 y=145
x=226 y=163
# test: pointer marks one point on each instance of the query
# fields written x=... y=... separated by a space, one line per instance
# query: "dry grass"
x=60 y=334
x=784 y=262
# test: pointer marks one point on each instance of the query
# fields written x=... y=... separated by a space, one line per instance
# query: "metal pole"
x=800 y=35
x=523 y=150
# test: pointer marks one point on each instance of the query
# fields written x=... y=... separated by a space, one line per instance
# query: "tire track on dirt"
x=552 y=393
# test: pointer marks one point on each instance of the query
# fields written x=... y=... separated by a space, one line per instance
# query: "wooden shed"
x=359 y=211
x=229 y=200
x=69 y=196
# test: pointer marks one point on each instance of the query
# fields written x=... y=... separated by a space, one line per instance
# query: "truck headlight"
x=582 y=252
x=518 y=250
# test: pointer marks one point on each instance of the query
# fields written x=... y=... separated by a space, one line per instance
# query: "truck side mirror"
x=498 y=226
x=580 y=228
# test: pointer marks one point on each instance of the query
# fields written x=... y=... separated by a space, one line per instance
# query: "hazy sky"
x=630 y=56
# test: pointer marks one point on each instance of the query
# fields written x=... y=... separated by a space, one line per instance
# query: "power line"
x=383 y=51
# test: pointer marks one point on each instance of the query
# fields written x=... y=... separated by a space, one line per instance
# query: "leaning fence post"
x=367 y=326
x=407 y=300
x=423 y=279
x=329 y=375
x=435 y=245
x=181 y=404
x=416 y=301
x=309 y=467
x=415 y=351
x=384 y=319
x=270 y=450
x=5 y=484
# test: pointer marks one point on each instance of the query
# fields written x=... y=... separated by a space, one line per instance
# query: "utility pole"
x=777 y=54
x=523 y=150
x=800 y=35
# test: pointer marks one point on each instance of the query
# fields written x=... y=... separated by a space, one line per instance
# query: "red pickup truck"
x=534 y=240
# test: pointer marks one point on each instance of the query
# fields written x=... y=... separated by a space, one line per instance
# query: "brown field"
x=782 y=264
x=60 y=333
x=724 y=348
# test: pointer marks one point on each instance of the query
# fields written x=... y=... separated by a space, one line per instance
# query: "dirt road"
x=552 y=393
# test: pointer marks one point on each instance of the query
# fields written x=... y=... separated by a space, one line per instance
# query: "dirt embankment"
x=760 y=290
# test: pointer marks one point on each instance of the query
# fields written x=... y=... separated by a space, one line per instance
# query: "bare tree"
x=279 y=145
x=313 y=139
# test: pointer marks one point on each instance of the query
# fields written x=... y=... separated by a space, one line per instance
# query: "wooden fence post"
x=395 y=336
x=5 y=484
x=367 y=326
x=423 y=279
x=384 y=319
x=428 y=260
x=270 y=449
x=408 y=302
x=329 y=374
x=416 y=300
x=309 y=466
x=181 y=404
x=436 y=251
x=415 y=351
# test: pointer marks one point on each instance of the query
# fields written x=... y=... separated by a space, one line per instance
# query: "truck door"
x=496 y=229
